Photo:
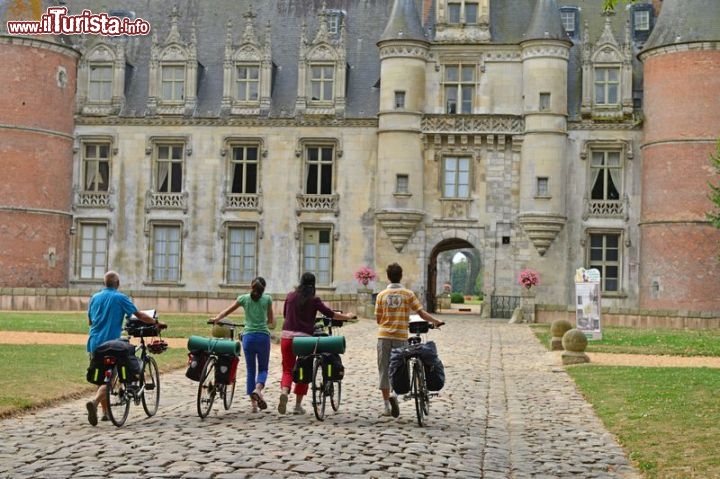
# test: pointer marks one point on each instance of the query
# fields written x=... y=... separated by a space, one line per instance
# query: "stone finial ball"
x=559 y=327
x=574 y=340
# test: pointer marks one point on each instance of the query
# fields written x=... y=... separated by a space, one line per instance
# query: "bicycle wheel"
x=418 y=390
x=318 y=389
x=150 y=386
x=229 y=394
x=206 y=388
x=335 y=394
x=118 y=399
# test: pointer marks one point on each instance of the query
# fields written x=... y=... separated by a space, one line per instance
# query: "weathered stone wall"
x=636 y=318
x=63 y=299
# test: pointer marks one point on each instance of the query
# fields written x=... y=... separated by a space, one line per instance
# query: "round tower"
x=403 y=52
x=545 y=54
x=679 y=250
x=36 y=140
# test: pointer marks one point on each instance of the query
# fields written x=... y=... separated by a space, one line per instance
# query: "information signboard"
x=588 y=303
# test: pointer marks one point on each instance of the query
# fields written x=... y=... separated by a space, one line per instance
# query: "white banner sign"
x=587 y=302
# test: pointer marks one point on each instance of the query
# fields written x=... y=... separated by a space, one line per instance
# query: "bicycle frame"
x=208 y=387
x=145 y=389
x=418 y=385
x=323 y=388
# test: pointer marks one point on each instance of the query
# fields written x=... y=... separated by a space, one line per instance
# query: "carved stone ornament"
x=541 y=228
x=399 y=224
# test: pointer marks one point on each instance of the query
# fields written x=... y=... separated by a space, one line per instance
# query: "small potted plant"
x=364 y=275
x=528 y=278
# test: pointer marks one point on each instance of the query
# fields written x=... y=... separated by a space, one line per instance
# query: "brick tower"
x=679 y=266
x=36 y=147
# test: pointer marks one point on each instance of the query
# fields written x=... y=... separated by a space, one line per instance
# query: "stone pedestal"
x=527 y=303
x=574 y=342
x=365 y=306
x=558 y=328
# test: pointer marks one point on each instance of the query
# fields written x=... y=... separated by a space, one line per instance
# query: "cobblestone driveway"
x=507 y=411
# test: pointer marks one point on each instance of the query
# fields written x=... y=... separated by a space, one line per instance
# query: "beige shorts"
x=384 y=346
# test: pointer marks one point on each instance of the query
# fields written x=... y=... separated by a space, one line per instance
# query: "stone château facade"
x=243 y=138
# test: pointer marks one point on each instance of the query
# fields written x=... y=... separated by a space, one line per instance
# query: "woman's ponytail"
x=257 y=288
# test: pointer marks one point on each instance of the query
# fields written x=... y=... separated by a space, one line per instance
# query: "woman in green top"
x=256 y=338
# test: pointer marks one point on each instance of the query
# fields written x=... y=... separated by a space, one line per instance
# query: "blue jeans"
x=256 y=348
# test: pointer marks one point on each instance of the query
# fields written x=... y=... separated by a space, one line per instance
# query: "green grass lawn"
x=667 y=419
x=38 y=375
x=647 y=341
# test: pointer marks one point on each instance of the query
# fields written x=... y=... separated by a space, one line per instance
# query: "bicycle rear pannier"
x=129 y=369
x=333 y=368
x=96 y=370
x=302 y=371
x=195 y=365
x=226 y=368
x=398 y=371
x=128 y=365
x=434 y=369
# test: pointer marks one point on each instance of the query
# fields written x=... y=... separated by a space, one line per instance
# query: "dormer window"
x=641 y=21
x=322 y=78
x=173 y=75
x=247 y=74
x=607 y=84
x=100 y=78
x=569 y=16
x=462 y=13
x=173 y=83
x=334 y=19
x=248 y=82
x=607 y=77
x=322 y=70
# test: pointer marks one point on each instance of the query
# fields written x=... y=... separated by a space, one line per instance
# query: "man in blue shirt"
x=106 y=312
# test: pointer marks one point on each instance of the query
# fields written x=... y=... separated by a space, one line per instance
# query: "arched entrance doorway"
x=451 y=244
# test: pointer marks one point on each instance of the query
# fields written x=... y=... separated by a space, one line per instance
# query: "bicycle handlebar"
x=224 y=322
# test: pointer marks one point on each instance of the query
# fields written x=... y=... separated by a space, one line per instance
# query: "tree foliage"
x=610 y=4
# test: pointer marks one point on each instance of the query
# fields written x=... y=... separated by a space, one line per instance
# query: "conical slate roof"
x=545 y=22
x=686 y=21
x=404 y=23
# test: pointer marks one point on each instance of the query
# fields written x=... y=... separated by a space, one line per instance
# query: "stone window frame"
x=78 y=230
x=472 y=32
x=620 y=264
x=242 y=201
x=106 y=53
x=150 y=228
x=173 y=52
x=225 y=237
x=251 y=52
x=460 y=64
x=301 y=151
x=333 y=236
x=325 y=50
x=167 y=200
x=84 y=198
x=607 y=53
x=625 y=148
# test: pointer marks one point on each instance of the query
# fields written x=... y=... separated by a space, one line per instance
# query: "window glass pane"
x=468 y=74
x=471 y=12
x=453 y=13
x=451 y=73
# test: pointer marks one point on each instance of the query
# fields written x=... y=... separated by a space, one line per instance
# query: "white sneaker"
x=298 y=410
